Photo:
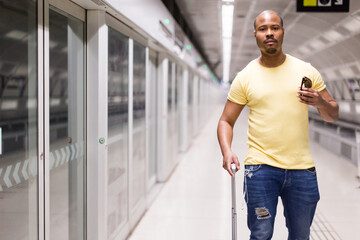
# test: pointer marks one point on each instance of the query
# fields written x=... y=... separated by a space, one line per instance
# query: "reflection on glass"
x=169 y=121
x=177 y=85
x=190 y=106
x=138 y=180
x=18 y=120
x=118 y=92
x=170 y=87
x=66 y=126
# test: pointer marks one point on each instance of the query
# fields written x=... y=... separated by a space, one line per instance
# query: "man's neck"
x=272 y=61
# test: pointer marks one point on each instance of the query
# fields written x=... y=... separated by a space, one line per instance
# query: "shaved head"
x=269 y=12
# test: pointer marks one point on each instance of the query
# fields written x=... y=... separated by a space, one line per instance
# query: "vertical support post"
x=357 y=133
x=195 y=112
x=0 y=141
x=43 y=118
x=97 y=119
x=130 y=130
x=183 y=111
x=76 y=122
x=162 y=99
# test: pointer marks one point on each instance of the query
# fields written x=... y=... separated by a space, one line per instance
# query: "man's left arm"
x=325 y=104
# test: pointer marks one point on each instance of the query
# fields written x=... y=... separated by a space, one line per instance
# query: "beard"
x=271 y=50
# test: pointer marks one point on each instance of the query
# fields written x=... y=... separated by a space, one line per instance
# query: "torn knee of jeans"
x=262 y=213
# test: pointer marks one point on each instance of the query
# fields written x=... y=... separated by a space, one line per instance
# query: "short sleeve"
x=237 y=93
x=318 y=83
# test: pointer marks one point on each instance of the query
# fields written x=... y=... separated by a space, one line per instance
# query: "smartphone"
x=306 y=82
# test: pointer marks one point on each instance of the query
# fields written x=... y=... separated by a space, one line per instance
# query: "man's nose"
x=269 y=32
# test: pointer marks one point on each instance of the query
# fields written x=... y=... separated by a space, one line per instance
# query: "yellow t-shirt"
x=278 y=133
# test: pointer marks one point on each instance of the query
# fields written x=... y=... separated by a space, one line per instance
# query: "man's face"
x=269 y=33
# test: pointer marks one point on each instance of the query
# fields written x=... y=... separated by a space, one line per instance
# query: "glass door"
x=139 y=130
x=118 y=127
x=18 y=120
x=66 y=123
x=152 y=166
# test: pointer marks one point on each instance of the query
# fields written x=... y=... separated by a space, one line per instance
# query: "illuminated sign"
x=322 y=5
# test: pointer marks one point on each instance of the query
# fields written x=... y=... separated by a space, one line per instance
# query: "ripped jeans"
x=298 y=189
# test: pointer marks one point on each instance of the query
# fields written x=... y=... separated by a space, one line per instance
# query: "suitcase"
x=233 y=207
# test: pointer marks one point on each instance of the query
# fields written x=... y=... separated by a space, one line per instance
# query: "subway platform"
x=195 y=203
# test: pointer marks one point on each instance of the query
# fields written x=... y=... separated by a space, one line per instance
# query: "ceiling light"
x=356 y=14
x=352 y=24
x=304 y=49
x=228 y=1
x=8 y=104
x=316 y=44
x=16 y=34
x=333 y=35
x=227 y=27
x=227 y=20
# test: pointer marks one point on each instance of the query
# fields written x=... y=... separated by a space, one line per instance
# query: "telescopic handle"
x=233 y=200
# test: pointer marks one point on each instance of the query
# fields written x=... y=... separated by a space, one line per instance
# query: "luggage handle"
x=233 y=200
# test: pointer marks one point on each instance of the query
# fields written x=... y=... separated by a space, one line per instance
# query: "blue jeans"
x=298 y=189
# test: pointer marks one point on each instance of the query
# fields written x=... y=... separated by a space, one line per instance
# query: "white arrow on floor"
x=77 y=150
x=6 y=177
x=63 y=155
x=82 y=148
x=15 y=174
x=72 y=151
x=52 y=160
x=67 y=153
x=33 y=166
x=24 y=169
x=57 y=153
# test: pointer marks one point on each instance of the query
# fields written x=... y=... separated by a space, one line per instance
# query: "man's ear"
x=254 y=33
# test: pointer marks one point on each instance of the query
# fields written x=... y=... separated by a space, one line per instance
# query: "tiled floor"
x=195 y=203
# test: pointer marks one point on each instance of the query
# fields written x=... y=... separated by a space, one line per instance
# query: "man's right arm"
x=225 y=134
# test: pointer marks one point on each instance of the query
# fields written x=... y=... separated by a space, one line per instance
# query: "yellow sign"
x=310 y=3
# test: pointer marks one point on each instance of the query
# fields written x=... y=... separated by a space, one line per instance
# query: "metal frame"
x=125 y=30
x=134 y=212
x=41 y=59
x=150 y=181
x=183 y=111
x=162 y=116
x=44 y=106
x=97 y=117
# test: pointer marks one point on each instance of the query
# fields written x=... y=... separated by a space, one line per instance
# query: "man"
x=278 y=161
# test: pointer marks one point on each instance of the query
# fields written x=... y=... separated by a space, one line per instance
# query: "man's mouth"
x=271 y=41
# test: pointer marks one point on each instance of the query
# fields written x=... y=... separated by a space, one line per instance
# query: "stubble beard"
x=271 y=50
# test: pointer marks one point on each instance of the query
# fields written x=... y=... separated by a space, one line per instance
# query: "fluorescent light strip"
x=352 y=25
x=227 y=26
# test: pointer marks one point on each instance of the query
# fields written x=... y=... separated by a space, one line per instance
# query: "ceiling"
x=308 y=36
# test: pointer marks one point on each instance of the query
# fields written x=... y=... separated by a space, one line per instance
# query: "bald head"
x=268 y=12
